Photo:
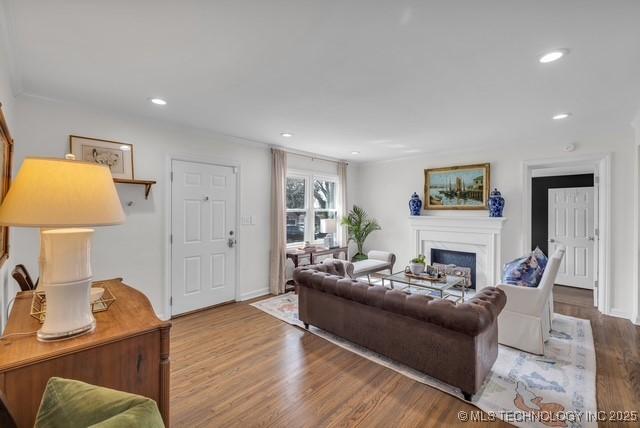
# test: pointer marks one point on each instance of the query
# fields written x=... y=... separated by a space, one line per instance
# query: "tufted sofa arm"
x=471 y=317
x=339 y=267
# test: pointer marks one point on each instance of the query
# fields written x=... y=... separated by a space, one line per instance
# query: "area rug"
x=526 y=390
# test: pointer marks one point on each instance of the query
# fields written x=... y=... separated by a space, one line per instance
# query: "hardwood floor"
x=237 y=366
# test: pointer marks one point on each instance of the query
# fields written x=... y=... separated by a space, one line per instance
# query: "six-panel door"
x=571 y=224
x=203 y=252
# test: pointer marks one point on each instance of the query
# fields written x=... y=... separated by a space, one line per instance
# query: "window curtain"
x=278 y=221
x=342 y=201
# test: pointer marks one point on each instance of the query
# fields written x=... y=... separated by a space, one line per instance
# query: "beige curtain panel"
x=278 y=221
x=342 y=202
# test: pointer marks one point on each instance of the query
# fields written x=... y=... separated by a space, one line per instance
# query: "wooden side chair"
x=22 y=277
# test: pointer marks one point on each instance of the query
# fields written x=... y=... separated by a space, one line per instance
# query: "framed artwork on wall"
x=464 y=187
x=6 y=154
x=117 y=156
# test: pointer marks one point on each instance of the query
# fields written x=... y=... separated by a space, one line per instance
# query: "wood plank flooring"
x=237 y=366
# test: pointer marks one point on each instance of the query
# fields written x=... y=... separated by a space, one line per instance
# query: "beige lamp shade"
x=61 y=193
x=328 y=225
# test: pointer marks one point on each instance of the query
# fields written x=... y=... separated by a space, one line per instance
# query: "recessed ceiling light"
x=158 y=101
x=355 y=153
x=561 y=116
x=286 y=134
x=553 y=55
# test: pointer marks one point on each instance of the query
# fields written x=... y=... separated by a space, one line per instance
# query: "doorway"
x=203 y=235
x=591 y=170
x=563 y=213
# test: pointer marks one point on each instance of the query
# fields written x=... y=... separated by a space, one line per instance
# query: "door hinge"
x=597 y=232
x=595 y=284
x=171 y=301
x=171 y=175
x=171 y=239
x=596 y=180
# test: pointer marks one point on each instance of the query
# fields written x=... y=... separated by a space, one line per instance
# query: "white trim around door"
x=600 y=165
x=168 y=219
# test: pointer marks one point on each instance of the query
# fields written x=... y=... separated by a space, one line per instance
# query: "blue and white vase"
x=496 y=204
x=415 y=204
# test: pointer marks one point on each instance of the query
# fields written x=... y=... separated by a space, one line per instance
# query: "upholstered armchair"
x=525 y=321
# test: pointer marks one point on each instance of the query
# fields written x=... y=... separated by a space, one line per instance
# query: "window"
x=310 y=199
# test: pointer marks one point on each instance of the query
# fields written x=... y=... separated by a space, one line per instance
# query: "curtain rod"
x=309 y=156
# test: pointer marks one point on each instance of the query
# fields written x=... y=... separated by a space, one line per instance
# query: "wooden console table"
x=128 y=351
x=315 y=254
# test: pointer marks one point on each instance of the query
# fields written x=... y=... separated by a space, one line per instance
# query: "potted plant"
x=359 y=226
x=417 y=265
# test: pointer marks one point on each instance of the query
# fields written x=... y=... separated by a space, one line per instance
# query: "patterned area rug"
x=557 y=389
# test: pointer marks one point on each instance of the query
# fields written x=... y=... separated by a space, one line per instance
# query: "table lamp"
x=328 y=226
x=62 y=197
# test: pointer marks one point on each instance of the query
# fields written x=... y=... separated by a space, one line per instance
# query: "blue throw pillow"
x=525 y=271
x=541 y=257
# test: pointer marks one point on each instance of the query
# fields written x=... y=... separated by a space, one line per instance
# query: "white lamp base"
x=51 y=337
x=65 y=277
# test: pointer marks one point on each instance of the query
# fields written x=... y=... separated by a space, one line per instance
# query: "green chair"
x=73 y=404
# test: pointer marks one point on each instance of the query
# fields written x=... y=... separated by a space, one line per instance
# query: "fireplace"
x=458 y=258
x=471 y=234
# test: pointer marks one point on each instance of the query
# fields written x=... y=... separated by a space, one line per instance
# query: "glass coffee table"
x=439 y=290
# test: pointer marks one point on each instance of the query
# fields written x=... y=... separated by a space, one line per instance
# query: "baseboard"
x=619 y=313
x=253 y=294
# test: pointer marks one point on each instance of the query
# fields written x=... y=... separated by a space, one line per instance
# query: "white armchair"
x=525 y=321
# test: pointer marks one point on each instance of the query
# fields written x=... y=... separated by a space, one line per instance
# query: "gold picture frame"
x=463 y=187
x=118 y=157
x=5 y=163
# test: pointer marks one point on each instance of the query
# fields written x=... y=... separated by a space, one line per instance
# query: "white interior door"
x=571 y=224
x=203 y=252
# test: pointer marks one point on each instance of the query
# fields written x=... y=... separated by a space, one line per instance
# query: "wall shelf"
x=146 y=183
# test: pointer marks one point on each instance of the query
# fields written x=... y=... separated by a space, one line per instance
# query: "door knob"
x=231 y=242
x=591 y=238
x=552 y=240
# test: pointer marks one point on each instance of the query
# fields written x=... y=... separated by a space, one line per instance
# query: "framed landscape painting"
x=463 y=187
x=6 y=153
x=117 y=156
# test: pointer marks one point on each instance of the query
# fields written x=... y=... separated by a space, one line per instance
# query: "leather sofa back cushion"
x=471 y=317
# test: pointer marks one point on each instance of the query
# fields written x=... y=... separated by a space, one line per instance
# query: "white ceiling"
x=383 y=77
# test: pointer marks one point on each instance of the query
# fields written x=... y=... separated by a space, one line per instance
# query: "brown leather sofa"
x=456 y=343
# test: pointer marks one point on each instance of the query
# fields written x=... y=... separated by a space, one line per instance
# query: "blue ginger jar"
x=496 y=204
x=415 y=204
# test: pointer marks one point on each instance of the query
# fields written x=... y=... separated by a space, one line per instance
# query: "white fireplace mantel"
x=472 y=234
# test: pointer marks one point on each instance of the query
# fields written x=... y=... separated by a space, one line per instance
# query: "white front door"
x=571 y=224
x=203 y=252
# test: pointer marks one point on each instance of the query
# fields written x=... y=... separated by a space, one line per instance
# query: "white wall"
x=384 y=189
x=636 y=232
x=136 y=250
x=7 y=99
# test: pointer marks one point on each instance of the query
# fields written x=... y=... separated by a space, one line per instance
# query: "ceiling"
x=387 y=78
